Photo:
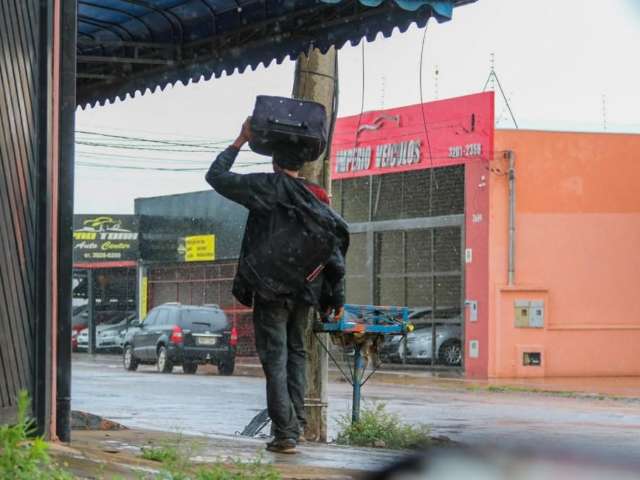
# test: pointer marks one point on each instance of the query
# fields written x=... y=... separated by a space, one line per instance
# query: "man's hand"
x=245 y=134
x=338 y=312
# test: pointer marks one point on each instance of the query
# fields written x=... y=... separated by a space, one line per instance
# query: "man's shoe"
x=301 y=439
x=285 y=445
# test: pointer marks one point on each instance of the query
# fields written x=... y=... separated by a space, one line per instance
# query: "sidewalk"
x=103 y=454
x=611 y=387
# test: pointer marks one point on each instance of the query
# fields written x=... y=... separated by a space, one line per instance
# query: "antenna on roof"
x=436 y=75
x=604 y=112
x=494 y=80
x=492 y=71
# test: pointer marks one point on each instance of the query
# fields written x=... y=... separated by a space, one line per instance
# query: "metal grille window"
x=357 y=278
x=403 y=271
x=355 y=199
x=193 y=285
x=400 y=195
x=209 y=283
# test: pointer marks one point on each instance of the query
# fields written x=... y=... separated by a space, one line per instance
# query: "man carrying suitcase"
x=292 y=259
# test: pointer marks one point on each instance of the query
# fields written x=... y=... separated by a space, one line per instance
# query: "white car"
x=109 y=336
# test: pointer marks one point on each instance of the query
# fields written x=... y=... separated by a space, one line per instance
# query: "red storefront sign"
x=440 y=133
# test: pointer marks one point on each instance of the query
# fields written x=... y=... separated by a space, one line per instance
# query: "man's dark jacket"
x=260 y=193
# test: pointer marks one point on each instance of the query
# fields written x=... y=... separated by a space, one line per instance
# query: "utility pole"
x=316 y=79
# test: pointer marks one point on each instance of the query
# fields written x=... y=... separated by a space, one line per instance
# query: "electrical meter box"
x=521 y=313
x=528 y=313
x=536 y=314
x=474 y=348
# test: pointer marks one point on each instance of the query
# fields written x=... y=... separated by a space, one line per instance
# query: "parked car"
x=79 y=321
x=417 y=346
x=109 y=334
x=188 y=335
x=74 y=340
x=393 y=349
x=448 y=345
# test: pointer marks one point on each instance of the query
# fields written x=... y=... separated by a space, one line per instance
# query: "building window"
x=407 y=274
x=402 y=195
x=357 y=279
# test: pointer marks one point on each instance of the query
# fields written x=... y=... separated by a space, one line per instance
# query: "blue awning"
x=129 y=46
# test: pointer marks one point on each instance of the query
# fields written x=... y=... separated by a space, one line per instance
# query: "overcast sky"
x=556 y=60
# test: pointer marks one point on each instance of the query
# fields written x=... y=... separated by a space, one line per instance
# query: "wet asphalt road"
x=209 y=404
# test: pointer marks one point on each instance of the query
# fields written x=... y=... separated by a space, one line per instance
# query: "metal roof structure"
x=130 y=46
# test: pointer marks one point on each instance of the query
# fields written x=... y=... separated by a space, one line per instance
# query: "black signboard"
x=105 y=238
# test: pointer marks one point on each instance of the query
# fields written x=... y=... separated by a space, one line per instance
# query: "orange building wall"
x=577 y=248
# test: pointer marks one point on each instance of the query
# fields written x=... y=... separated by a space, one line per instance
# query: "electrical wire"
x=152 y=140
x=424 y=119
x=362 y=96
x=159 y=169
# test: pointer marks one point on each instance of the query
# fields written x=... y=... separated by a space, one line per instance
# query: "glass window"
x=163 y=317
x=151 y=318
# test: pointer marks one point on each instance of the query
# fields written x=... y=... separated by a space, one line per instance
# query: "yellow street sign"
x=200 y=248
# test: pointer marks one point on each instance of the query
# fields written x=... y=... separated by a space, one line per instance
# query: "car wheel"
x=451 y=353
x=226 y=367
x=129 y=361
x=190 y=368
x=164 y=363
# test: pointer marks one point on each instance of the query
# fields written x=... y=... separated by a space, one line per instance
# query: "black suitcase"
x=298 y=123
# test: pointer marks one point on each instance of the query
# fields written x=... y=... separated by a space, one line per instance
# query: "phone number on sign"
x=469 y=150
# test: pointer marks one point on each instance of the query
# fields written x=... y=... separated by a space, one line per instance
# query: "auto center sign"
x=99 y=238
x=440 y=133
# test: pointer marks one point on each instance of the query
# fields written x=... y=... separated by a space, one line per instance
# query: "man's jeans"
x=279 y=330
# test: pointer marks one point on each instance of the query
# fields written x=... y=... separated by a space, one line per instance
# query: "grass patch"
x=540 y=391
x=165 y=454
x=379 y=428
x=238 y=470
x=23 y=455
x=175 y=457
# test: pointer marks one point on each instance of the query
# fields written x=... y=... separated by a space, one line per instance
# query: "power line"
x=159 y=169
x=424 y=118
x=361 y=97
x=152 y=140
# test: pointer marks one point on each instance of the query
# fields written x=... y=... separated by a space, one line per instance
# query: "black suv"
x=187 y=335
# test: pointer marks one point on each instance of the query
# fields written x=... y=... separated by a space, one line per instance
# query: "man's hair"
x=288 y=157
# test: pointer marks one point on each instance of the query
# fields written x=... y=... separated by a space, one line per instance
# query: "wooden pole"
x=316 y=79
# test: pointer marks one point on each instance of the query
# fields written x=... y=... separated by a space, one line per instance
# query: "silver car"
x=417 y=346
x=109 y=336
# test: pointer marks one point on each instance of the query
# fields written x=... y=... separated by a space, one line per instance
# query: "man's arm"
x=333 y=298
x=251 y=190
